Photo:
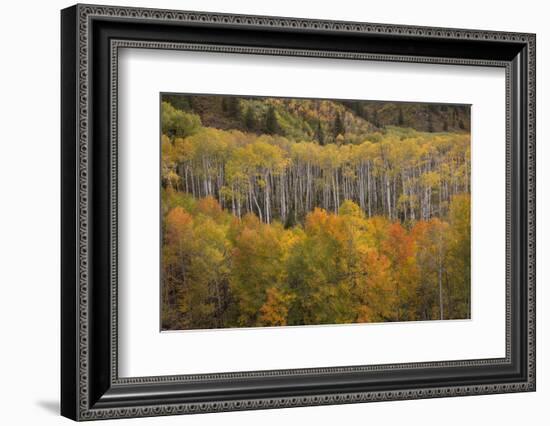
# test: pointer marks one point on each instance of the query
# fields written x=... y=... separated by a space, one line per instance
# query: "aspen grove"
x=283 y=212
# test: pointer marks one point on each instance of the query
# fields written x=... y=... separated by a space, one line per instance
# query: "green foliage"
x=249 y=119
x=177 y=123
x=183 y=103
x=233 y=106
x=271 y=123
x=400 y=118
x=320 y=134
x=298 y=118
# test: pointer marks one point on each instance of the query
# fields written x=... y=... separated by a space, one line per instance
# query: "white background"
x=146 y=352
x=29 y=225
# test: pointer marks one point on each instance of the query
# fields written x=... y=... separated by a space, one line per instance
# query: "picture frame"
x=91 y=388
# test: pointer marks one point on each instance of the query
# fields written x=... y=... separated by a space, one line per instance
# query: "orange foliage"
x=209 y=206
x=178 y=225
x=339 y=268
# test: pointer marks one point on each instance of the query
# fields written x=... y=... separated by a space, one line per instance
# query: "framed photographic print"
x=263 y=212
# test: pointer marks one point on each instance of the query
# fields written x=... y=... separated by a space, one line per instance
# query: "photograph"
x=283 y=211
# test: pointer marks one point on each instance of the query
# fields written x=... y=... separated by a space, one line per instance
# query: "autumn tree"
x=258 y=278
x=271 y=124
x=250 y=119
x=322 y=271
x=457 y=278
x=177 y=123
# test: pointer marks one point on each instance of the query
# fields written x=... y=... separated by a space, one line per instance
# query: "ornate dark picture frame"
x=90 y=385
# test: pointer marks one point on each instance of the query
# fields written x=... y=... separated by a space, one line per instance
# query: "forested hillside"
x=291 y=211
x=321 y=120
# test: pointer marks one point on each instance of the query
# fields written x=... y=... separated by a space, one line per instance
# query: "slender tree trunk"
x=369 y=194
x=388 y=196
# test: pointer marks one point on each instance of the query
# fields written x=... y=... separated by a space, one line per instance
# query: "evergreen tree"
x=271 y=124
x=319 y=134
x=338 y=125
x=233 y=106
x=182 y=103
x=400 y=118
x=375 y=118
x=430 y=123
x=290 y=221
x=455 y=117
x=249 y=119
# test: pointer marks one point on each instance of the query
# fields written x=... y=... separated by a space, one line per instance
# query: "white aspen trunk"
x=204 y=173
x=388 y=196
x=361 y=187
x=439 y=195
x=337 y=191
x=239 y=212
x=308 y=186
x=233 y=199
x=282 y=197
x=334 y=192
x=411 y=196
x=394 y=199
x=403 y=186
x=186 y=184
x=268 y=199
x=429 y=203
x=369 y=193
x=325 y=195
x=294 y=188
x=250 y=210
x=257 y=205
